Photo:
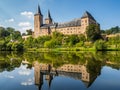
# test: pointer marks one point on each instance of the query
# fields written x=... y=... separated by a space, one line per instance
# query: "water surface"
x=60 y=71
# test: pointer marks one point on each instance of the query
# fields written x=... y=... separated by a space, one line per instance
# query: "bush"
x=17 y=47
x=9 y=46
x=81 y=43
x=100 y=45
x=50 y=44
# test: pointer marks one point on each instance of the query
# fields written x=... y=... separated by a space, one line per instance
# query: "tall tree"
x=93 y=32
x=113 y=30
x=10 y=29
x=17 y=35
x=3 y=32
x=29 y=32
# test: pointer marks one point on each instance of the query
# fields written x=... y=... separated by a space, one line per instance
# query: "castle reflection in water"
x=77 y=72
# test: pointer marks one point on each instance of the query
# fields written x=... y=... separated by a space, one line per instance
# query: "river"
x=60 y=71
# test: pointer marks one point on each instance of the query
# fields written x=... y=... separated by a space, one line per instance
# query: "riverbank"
x=69 y=49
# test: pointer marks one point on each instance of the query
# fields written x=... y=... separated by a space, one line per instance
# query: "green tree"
x=17 y=35
x=41 y=40
x=17 y=46
x=81 y=43
x=114 y=42
x=50 y=44
x=29 y=32
x=82 y=37
x=9 y=46
x=100 y=45
x=13 y=34
x=10 y=29
x=113 y=30
x=3 y=32
x=72 y=40
x=93 y=32
x=23 y=34
x=29 y=42
x=56 y=35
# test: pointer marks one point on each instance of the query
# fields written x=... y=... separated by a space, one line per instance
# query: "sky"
x=19 y=14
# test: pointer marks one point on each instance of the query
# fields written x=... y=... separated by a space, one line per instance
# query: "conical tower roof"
x=39 y=10
x=49 y=15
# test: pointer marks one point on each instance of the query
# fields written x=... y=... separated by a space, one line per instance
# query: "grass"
x=71 y=49
x=61 y=49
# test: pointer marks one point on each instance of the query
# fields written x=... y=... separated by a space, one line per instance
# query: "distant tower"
x=48 y=20
x=38 y=21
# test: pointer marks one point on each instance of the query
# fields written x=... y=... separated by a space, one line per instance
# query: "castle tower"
x=86 y=20
x=38 y=75
x=38 y=21
x=49 y=79
x=48 y=20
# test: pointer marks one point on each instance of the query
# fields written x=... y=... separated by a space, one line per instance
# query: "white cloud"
x=9 y=76
x=24 y=24
x=10 y=20
x=23 y=29
x=27 y=14
x=26 y=28
x=28 y=82
x=24 y=72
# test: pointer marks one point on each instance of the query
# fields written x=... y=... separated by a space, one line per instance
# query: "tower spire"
x=49 y=16
x=39 y=11
x=48 y=20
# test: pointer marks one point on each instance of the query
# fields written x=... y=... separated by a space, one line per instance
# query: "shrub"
x=17 y=46
x=100 y=45
x=81 y=43
x=50 y=44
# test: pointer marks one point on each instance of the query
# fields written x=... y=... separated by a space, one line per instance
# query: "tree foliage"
x=112 y=30
x=50 y=44
x=29 y=32
x=3 y=32
x=9 y=37
x=72 y=40
x=93 y=32
x=10 y=33
x=100 y=45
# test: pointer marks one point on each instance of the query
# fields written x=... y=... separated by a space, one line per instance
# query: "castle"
x=76 y=26
x=77 y=72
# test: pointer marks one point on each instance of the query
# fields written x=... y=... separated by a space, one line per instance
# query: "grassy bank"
x=69 y=49
x=60 y=49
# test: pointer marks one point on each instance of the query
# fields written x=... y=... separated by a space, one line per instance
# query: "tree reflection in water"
x=83 y=66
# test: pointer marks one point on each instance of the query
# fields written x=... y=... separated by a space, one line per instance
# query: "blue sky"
x=19 y=13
